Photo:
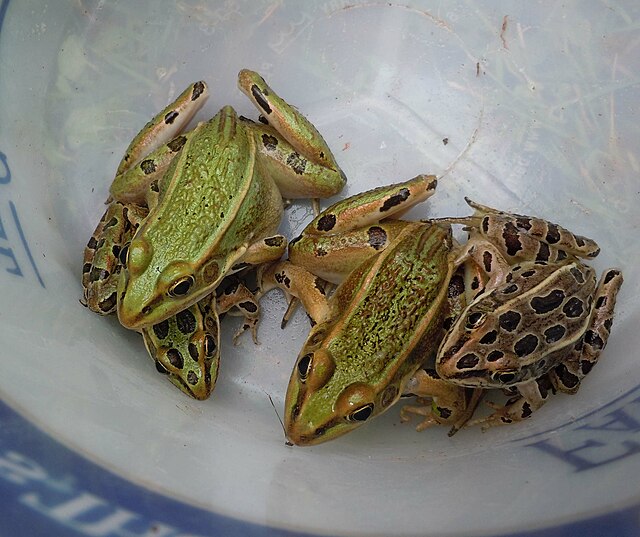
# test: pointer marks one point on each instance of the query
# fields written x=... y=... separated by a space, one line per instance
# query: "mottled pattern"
x=185 y=346
x=524 y=331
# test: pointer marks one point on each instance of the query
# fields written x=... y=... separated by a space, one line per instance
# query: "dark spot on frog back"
x=543 y=252
x=547 y=303
x=509 y=320
x=468 y=361
x=177 y=143
x=489 y=338
x=192 y=378
x=148 y=166
x=377 y=237
x=193 y=351
x=161 y=330
x=573 y=308
x=553 y=234
x=186 y=322
x=297 y=163
x=554 y=333
x=175 y=358
x=526 y=345
x=523 y=222
x=577 y=274
x=270 y=142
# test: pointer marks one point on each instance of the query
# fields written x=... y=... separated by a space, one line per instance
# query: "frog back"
x=521 y=329
x=386 y=317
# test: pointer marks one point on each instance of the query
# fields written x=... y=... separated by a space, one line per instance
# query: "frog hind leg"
x=543 y=230
x=307 y=147
x=531 y=395
x=165 y=125
x=372 y=206
x=152 y=150
x=238 y=300
x=102 y=263
x=569 y=373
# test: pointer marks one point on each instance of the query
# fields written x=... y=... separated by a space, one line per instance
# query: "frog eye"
x=504 y=377
x=361 y=414
x=475 y=319
x=181 y=286
x=304 y=367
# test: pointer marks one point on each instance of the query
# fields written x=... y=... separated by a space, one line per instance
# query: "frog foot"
x=424 y=409
x=516 y=409
x=248 y=324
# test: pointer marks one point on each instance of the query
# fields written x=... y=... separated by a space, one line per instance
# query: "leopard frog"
x=186 y=346
x=186 y=210
x=384 y=319
x=539 y=322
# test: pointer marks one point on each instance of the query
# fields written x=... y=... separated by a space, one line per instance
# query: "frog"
x=188 y=209
x=539 y=321
x=218 y=201
x=186 y=346
x=384 y=319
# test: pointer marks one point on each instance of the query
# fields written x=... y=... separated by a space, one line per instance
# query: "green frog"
x=383 y=320
x=187 y=210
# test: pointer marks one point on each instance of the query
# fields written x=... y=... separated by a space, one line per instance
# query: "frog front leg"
x=290 y=147
x=238 y=300
x=444 y=403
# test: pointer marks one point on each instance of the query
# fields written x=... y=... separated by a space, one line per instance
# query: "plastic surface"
x=527 y=107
